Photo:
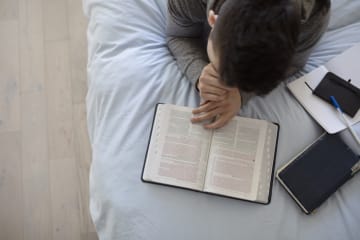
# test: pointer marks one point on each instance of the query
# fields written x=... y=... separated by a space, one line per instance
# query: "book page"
x=179 y=150
x=235 y=159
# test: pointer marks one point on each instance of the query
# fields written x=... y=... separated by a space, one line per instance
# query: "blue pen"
x=338 y=108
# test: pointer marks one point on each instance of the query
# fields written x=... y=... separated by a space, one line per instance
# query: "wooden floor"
x=44 y=148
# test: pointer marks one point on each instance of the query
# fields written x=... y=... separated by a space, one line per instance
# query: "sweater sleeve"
x=185 y=36
x=315 y=20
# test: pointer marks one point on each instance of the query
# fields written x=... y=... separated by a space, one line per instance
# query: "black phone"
x=346 y=94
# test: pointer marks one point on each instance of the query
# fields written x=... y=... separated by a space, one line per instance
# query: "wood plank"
x=8 y=10
x=36 y=187
x=64 y=185
x=55 y=20
x=83 y=161
x=31 y=45
x=64 y=195
x=59 y=107
x=78 y=60
x=78 y=50
x=37 y=201
x=89 y=236
x=11 y=199
x=9 y=77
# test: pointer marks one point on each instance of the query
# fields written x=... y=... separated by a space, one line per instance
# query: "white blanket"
x=130 y=70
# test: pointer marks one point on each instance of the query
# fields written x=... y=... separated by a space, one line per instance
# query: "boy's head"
x=252 y=42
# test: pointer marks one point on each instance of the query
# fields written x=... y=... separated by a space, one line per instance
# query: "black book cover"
x=318 y=171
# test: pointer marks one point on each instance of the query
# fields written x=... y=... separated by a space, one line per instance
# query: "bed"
x=130 y=69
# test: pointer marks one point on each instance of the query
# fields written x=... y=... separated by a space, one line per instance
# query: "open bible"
x=235 y=161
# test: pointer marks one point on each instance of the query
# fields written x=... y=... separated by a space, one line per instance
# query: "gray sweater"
x=187 y=31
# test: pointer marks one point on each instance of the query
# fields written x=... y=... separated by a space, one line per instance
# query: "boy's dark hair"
x=255 y=41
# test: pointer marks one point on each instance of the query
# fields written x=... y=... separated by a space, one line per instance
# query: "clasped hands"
x=219 y=104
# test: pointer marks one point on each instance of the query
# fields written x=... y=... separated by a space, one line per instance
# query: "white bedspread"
x=130 y=70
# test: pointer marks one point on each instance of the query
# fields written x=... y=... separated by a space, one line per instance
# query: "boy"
x=252 y=45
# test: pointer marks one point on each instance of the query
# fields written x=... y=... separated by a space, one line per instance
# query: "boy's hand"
x=209 y=85
x=218 y=101
x=224 y=110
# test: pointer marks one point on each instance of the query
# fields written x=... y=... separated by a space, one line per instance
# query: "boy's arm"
x=315 y=20
x=185 y=31
x=190 y=56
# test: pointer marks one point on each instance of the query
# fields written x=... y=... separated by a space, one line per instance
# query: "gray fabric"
x=187 y=31
x=186 y=40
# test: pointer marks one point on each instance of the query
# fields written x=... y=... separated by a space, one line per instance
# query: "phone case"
x=346 y=94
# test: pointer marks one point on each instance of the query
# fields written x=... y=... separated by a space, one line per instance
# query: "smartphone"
x=347 y=95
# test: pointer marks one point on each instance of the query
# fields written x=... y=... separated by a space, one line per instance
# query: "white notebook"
x=346 y=66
